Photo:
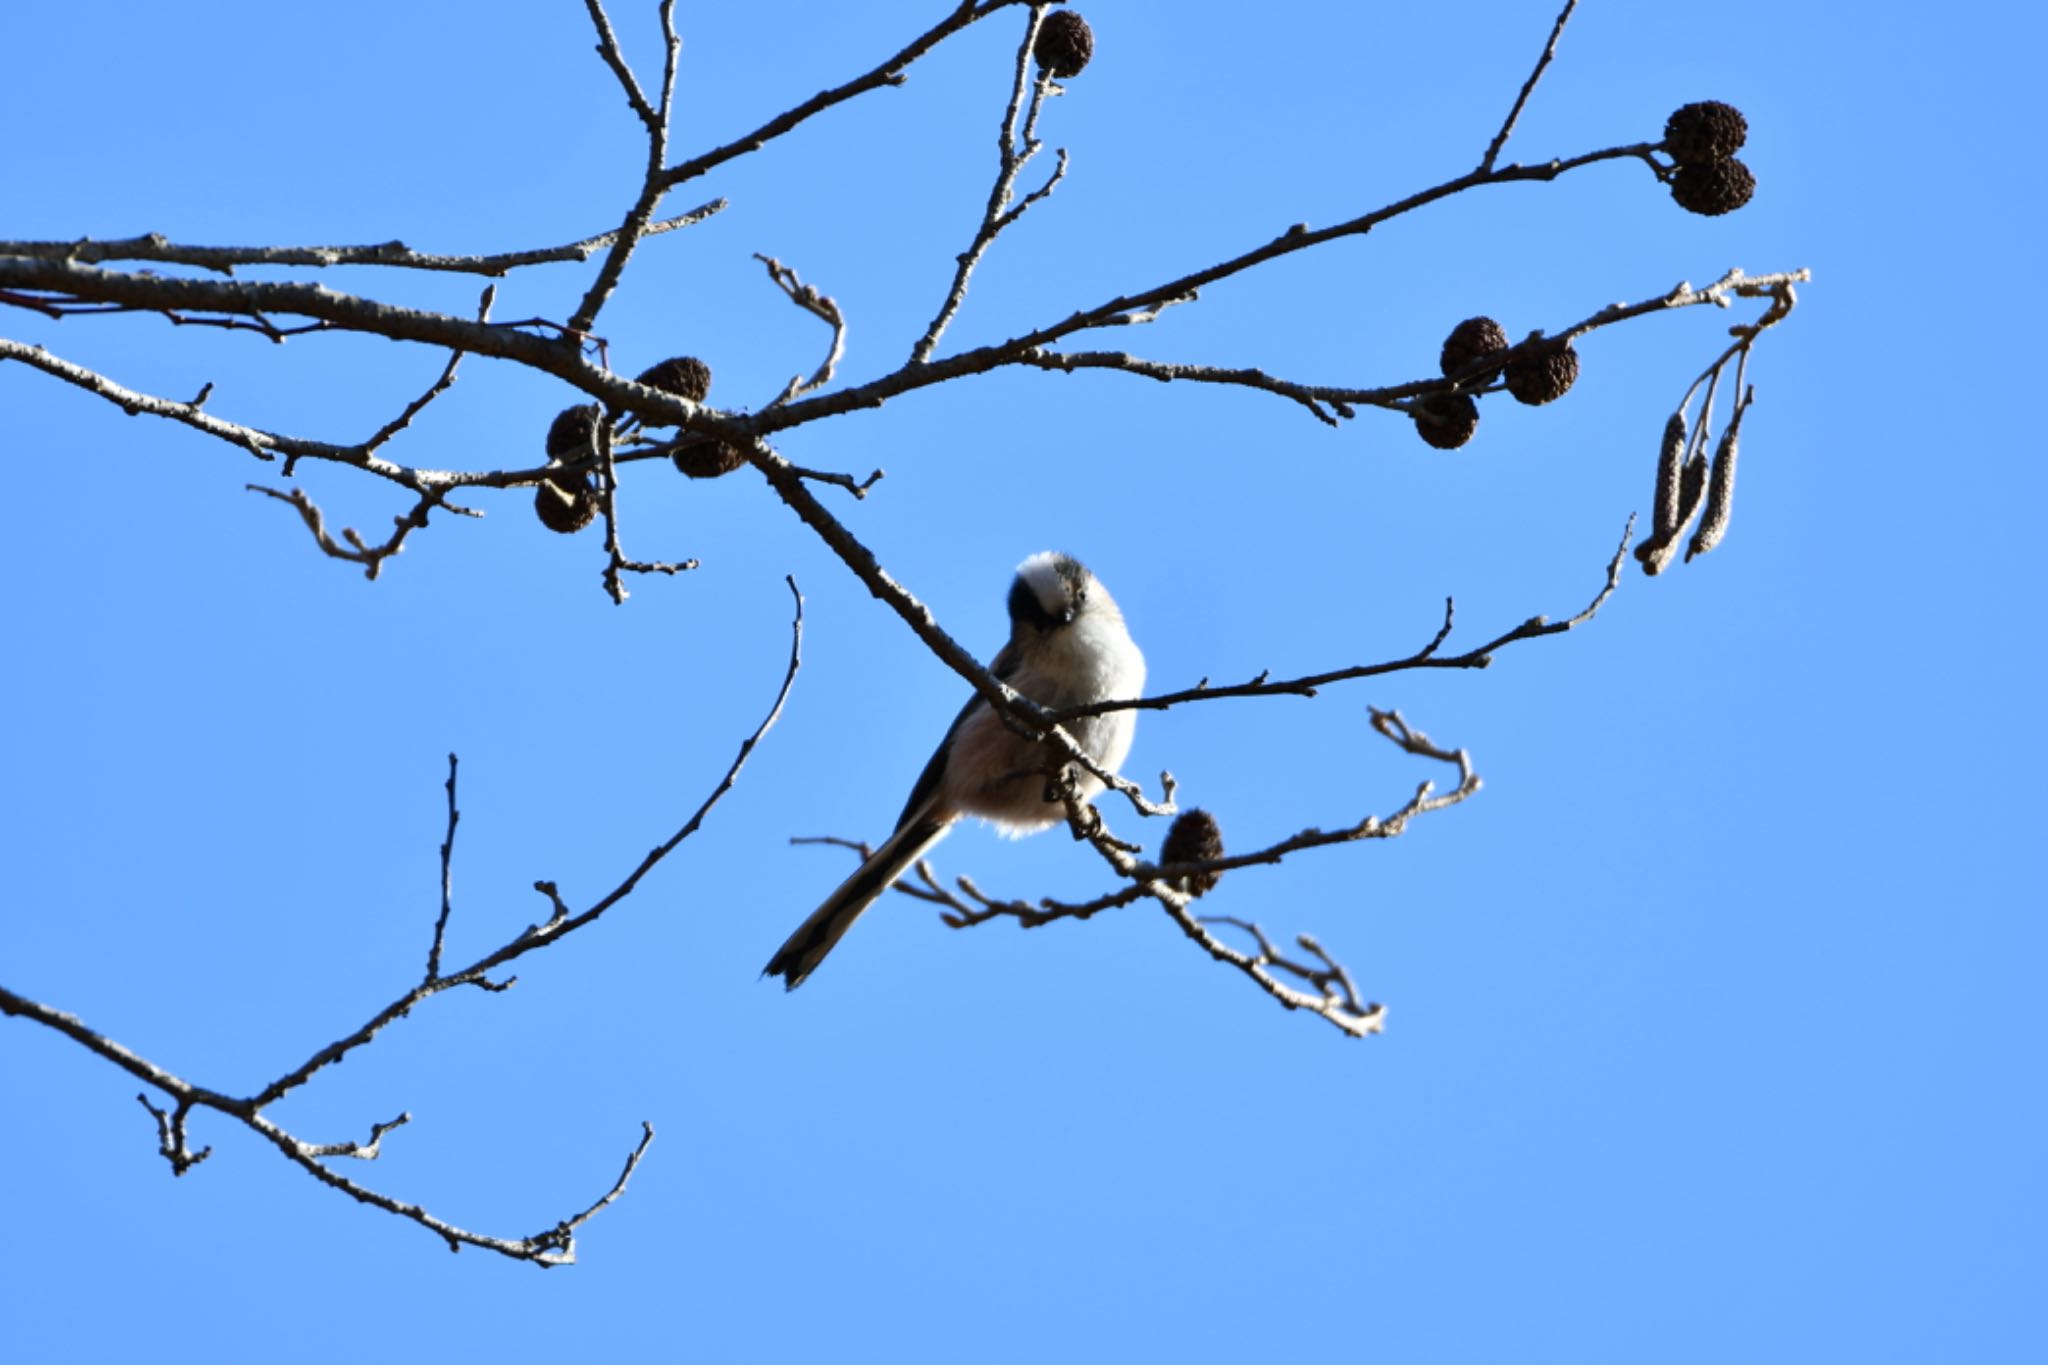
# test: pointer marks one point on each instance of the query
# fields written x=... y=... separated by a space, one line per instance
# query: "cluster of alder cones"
x=567 y=501
x=1708 y=178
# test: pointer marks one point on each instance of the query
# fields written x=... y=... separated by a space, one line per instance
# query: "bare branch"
x=1330 y=994
x=173 y=1143
x=858 y=487
x=170 y=1134
x=652 y=184
x=435 y=390
x=1066 y=362
x=562 y=358
x=1479 y=656
x=447 y=878
x=156 y=247
x=561 y=1238
x=608 y=48
x=1010 y=159
x=359 y=551
x=819 y=306
x=1507 y=126
x=1335 y=997
x=553 y=1247
x=890 y=72
x=616 y=561
x=561 y=923
x=360 y=1151
x=550 y=1248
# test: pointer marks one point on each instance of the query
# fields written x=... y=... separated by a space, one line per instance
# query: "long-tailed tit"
x=1068 y=647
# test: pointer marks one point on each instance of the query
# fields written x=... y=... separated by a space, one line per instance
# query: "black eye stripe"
x=1026 y=609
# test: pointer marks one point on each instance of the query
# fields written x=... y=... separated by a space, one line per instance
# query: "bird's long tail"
x=815 y=937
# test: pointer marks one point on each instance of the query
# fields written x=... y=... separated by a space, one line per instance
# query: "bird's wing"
x=927 y=784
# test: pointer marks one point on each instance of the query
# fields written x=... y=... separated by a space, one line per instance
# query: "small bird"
x=1067 y=647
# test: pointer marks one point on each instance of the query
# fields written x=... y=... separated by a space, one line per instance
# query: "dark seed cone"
x=1670 y=465
x=569 y=435
x=1713 y=188
x=684 y=375
x=1194 y=838
x=1446 y=421
x=1469 y=341
x=1720 y=493
x=1065 y=43
x=709 y=459
x=1542 y=371
x=1702 y=133
x=562 y=508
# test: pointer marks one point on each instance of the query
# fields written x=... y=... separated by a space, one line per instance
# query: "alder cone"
x=1064 y=43
x=1542 y=373
x=682 y=375
x=564 y=509
x=1194 y=838
x=1446 y=421
x=709 y=459
x=1703 y=133
x=1469 y=341
x=1715 y=188
x=569 y=434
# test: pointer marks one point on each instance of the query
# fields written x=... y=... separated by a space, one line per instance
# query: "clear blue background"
x=1714 y=1028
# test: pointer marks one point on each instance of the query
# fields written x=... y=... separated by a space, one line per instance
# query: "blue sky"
x=1712 y=1028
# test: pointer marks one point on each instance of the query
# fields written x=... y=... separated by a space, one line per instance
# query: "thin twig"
x=616 y=560
x=171 y=1142
x=562 y=922
x=359 y=551
x=447 y=878
x=889 y=72
x=1331 y=995
x=156 y=247
x=553 y=1247
x=858 y=487
x=608 y=49
x=358 y=1151
x=1507 y=126
x=1479 y=656
x=1010 y=159
x=652 y=185
x=818 y=306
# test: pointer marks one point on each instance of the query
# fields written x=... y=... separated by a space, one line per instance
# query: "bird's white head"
x=1054 y=590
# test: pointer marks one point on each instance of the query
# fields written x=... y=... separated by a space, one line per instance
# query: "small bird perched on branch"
x=1068 y=647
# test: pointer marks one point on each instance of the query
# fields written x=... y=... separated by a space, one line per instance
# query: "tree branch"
x=1479 y=656
x=155 y=246
x=1010 y=159
x=556 y=1246
x=890 y=72
x=1507 y=126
